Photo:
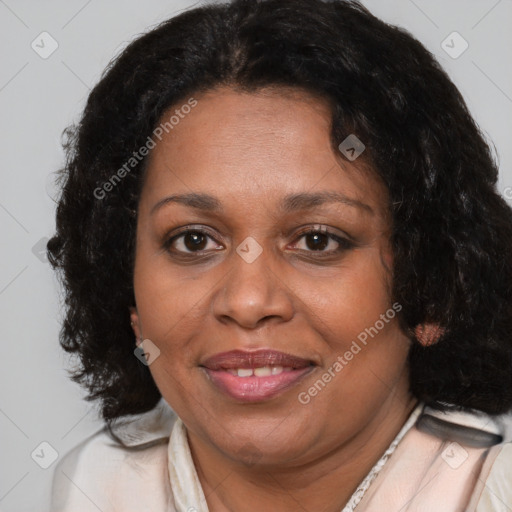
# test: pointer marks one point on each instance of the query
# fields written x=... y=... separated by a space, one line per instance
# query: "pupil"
x=194 y=241
x=319 y=241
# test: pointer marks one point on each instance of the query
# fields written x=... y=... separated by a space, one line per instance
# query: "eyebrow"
x=291 y=203
x=194 y=200
x=306 y=201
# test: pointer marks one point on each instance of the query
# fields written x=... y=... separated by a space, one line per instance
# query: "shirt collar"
x=146 y=429
x=155 y=426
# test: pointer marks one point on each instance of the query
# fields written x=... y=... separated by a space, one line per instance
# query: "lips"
x=257 y=359
x=257 y=375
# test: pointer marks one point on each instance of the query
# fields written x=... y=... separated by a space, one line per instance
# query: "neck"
x=326 y=483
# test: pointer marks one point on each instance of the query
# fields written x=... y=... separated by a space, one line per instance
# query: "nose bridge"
x=252 y=290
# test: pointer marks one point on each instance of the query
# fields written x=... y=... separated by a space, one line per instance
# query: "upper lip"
x=254 y=359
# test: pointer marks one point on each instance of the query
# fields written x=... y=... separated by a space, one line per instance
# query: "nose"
x=253 y=294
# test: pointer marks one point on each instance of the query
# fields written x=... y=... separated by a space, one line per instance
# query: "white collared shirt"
x=154 y=470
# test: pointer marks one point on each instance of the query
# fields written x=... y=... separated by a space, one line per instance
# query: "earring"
x=428 y=334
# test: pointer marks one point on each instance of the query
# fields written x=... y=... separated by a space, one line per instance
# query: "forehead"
x=256 y=147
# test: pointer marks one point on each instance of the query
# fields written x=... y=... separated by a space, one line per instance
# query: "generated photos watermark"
x=305 y=397
x=137 y=156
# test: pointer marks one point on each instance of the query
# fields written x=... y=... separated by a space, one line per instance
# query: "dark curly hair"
x=451 y=230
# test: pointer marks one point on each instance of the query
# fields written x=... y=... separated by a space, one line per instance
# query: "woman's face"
x=228 y=265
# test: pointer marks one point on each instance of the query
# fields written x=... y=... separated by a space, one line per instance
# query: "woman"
x=287 y=274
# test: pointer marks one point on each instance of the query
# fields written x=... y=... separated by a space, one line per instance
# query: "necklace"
x=358 y=494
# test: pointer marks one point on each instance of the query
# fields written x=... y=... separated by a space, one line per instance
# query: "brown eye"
x=321 y=241
x=194 y=241
x=317 y=241
x=191 y=241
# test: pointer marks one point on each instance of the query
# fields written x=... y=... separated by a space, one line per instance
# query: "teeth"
x=264 y=371
x=276 y=370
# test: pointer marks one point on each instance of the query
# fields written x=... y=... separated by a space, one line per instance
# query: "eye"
x=321 y=240
x=191 y=241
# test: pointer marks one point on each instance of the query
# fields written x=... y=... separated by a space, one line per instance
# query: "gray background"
x=40 y=97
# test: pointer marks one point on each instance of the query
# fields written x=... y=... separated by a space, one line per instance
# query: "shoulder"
x=129 y=474
x=473 y=430
x=496 y=479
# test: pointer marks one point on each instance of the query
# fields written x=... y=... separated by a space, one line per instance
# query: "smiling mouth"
x=262 y=371
x=255 y=376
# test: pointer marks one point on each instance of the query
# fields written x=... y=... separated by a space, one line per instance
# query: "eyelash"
x=343 y=243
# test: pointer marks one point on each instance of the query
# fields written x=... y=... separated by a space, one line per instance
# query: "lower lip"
x=256 y=389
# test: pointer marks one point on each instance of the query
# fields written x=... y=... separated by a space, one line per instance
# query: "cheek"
x=166 y=312
x=351 y=301
x=358 y=321
x=169 y=310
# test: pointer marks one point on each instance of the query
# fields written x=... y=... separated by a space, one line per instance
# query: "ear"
x=135 y=323
x=428 y=333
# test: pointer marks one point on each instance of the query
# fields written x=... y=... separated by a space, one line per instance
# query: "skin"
x=250 y=150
